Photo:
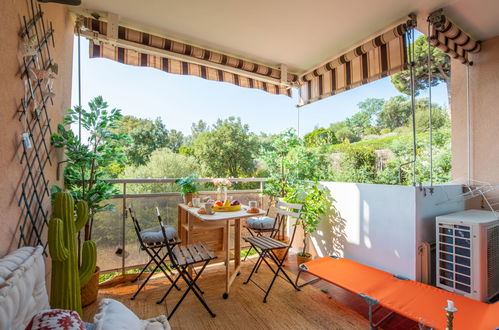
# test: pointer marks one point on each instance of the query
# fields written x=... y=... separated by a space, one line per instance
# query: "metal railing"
x=118 y=254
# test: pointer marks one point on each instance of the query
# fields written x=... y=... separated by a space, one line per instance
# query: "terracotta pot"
x=303 y=259
x=280 y=253
x=188 y=197
x=90 y=290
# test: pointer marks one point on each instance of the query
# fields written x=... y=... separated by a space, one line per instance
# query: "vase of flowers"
x=222 y=187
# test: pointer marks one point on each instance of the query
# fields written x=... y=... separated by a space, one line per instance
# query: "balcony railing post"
x=123 y=232
x=261 y=194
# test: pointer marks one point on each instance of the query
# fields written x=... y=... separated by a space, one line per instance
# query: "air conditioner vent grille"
x=493 y=260
x=455 y=257
x=468 y=253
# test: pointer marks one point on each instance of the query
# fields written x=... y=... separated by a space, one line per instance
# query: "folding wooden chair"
x=265 y=246
x=181 y=258
x=152 y=242
x=274 y=227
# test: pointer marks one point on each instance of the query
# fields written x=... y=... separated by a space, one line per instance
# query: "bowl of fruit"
x=227 y=206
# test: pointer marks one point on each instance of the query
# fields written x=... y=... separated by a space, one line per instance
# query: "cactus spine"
x=67 y=276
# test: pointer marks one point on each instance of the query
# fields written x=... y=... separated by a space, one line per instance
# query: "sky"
x=181 y=100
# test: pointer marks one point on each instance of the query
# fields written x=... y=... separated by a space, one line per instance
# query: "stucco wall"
x=11 y=92
x=380 y=225
x=484 y=90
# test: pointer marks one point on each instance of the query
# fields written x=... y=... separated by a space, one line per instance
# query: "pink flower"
x=222 y=182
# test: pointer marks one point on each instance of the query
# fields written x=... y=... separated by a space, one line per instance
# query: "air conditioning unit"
x=468 y=253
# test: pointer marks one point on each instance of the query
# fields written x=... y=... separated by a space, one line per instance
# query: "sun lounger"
x=414 y=300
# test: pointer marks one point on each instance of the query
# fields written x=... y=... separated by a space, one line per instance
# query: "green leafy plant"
x=101 y=156
x=288 y=160
x=188 y=184
x=320 y=136
x=313 y=198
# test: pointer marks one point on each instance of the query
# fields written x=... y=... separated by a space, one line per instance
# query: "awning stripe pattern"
x=381 y=56
x=134 y=57
x=450 y=39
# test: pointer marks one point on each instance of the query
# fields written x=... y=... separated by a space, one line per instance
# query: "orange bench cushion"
x=414 y=300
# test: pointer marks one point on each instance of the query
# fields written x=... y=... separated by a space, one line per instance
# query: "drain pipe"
x=470 y=126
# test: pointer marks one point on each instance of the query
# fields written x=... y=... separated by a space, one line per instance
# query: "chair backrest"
x=285 y=211
x=170 y=243
x=136 y=225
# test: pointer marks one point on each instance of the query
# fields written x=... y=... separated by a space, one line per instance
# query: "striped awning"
x=450 y=39
x=380 y=57
x=138 y=48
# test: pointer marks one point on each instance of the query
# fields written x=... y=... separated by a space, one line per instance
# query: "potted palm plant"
x=89 y=162
x=188 y=187
x=313 y=199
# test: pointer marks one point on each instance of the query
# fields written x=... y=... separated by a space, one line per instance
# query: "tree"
x=364 y=118
x=346 y=134
x=439 y=115
x=163 y=163
x=343 y=132
x=146 y=135
x=186 y=151
x=440 y=70
x=198 y=128
x=175 y=140
x=320 y=136
x=396 y=112
x=358 y=164
x=273 y=155
x=288 y=161
x=228 y=149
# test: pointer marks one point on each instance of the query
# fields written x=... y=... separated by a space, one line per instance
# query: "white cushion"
x=155 y=235
x=114 y=315
x=260 y=222
x=22 y=287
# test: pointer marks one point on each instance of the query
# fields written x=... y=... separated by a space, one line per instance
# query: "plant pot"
x=280 y=253
x=90 y=290
x=188 y=197
x=301 y=259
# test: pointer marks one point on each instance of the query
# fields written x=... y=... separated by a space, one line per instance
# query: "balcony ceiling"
x=300 y=34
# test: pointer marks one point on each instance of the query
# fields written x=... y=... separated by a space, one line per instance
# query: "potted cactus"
x=88 y=163
x=68 y=276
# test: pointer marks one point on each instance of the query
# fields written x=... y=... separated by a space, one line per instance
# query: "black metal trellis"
x=33 y=115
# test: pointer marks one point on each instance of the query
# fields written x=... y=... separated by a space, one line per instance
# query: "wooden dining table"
x=214 y=230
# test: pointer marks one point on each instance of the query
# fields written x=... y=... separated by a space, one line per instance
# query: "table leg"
x=237 y=245
x=181 y=221
x=227 y=259
x=189 y=235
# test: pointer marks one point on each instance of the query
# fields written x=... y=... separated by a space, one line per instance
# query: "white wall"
x=428 y=206
x=381 y=225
